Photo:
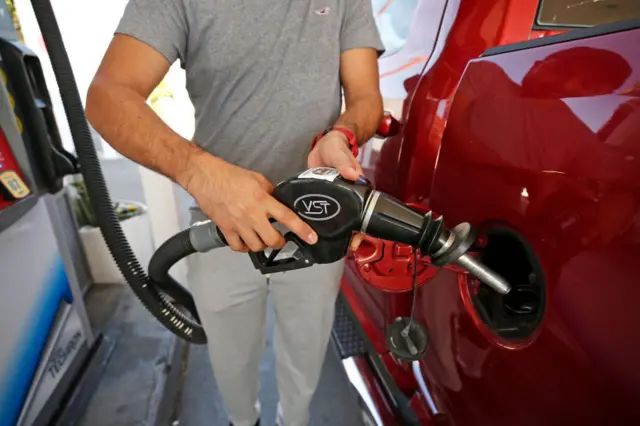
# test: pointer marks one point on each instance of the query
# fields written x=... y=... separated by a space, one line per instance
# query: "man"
x=265 y=78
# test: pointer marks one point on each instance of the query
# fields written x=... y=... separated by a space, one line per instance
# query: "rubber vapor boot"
x=257 y=424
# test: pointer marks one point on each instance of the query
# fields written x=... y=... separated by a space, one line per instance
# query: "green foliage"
x=87 y=217
x=14 y=16
x=160 y=92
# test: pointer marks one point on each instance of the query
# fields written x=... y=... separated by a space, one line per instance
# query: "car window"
x=586 y=13
x=393 y=18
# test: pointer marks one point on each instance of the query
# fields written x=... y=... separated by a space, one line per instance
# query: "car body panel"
x=558 y=161
x=409 y=47
x=467 y=29
x=402 y=165
x=559 y=166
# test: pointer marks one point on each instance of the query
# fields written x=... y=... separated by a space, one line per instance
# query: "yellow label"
x=14 y=184
x=19 y=124
x=12 y=101
x=4 y=76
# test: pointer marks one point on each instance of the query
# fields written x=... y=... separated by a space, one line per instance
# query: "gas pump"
x=45 y=337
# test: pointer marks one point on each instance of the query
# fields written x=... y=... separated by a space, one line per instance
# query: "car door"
x=418 y=80
x=542 y=154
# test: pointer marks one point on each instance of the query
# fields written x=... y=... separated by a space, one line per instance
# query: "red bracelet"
x=351 y=138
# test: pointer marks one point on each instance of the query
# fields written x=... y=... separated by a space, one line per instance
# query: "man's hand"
x=238 y=201
x=333 y=151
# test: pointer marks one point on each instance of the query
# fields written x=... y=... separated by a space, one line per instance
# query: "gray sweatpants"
x=231 y=298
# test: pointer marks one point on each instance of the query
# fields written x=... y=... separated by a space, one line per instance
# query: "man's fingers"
x=235 y=242
x=346 y=164
x=356 y=241
x=359 y=169
x=265 y=184
x=251 y=239
x=292 y=222
x=269 y=235
x=348 y=172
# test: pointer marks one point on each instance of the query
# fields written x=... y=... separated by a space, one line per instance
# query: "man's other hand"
x=333 y=151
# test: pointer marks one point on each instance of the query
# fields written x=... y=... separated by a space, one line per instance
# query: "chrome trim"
x=368 y=210
x=483 y=273
x=446 y=244
x=417 y=373
x=357 y=381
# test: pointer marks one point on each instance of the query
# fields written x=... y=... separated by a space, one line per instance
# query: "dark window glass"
x=586 y=13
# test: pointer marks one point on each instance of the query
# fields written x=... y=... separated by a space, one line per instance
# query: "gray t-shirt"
x=263 y=75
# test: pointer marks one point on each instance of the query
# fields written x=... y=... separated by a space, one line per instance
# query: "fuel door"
x=389 y=266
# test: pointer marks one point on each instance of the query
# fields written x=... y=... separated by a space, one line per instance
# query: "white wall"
x=87 y=27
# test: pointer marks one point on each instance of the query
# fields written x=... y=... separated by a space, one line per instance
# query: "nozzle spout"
x=483 y=273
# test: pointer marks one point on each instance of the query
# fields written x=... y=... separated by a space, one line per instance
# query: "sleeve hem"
x=379 y=49
x=169 y=58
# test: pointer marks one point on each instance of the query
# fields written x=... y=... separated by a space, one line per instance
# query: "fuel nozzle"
x=335 y=207
x=452 y=246
x=388 y=218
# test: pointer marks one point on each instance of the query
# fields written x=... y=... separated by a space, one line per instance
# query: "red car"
x=521 y=117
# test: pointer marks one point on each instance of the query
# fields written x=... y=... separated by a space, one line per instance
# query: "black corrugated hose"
x=145 y=288
x=168 y=254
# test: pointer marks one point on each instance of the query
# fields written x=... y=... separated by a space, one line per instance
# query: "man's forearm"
x=123 y=118
x=362 y=116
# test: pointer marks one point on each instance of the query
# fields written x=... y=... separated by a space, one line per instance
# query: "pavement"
x=140 y=380
x=153 y=378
